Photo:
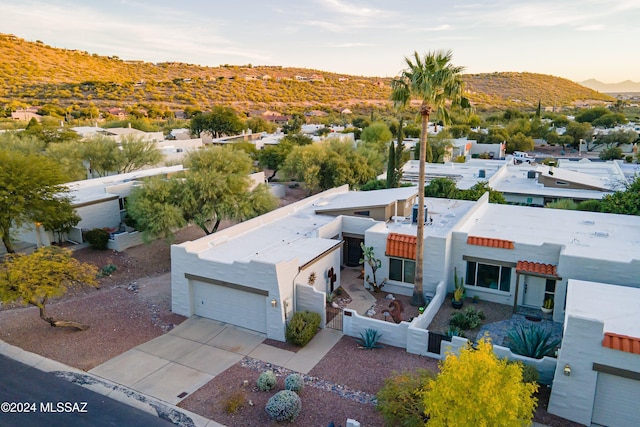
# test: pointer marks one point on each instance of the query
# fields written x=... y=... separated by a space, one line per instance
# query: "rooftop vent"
x=601 y=234
x=531 y=174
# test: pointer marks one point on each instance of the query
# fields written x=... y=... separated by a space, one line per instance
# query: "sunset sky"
x=574 y=39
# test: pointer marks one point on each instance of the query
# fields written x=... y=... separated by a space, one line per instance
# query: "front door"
x=352 y=251
x=534 y=288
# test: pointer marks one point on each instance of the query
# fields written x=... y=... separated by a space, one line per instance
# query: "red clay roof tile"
x=490 y=242
x=401 y=246
x=621 y=342
x=536 y=267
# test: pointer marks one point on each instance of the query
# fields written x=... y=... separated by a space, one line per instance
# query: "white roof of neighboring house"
x=91 y=190
x=87 y=130
x=465 y=174
x=590 y=235
x=356 y=199
x=615 y=306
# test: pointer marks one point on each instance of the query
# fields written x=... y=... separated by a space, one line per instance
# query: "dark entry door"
x=352 y=251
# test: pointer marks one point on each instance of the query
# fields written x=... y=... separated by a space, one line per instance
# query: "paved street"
x=53 y=402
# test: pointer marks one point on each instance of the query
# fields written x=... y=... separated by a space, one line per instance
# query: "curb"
x=166 y=411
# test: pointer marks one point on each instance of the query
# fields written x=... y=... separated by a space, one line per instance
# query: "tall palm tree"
x=438 y=84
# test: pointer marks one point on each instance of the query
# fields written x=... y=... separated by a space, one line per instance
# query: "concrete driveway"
x=176 y=364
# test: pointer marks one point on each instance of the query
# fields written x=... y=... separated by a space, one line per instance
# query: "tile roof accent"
x=401 y=246
x=536 y=267
x=492 y=243
x=621 y=342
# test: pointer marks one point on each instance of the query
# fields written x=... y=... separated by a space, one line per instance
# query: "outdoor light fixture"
x=274 y=303
x=567 y=370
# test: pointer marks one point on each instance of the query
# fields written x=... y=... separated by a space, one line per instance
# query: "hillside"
x=36 y=74
x=625 y=86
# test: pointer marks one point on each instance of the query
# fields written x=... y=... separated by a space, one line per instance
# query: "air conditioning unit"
x=414 y=214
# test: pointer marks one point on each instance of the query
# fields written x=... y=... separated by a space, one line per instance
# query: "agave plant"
x=369 y=339
x=532 y=341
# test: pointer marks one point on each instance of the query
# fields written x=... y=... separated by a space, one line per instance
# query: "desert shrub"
x=302 y=327
x=400 y=399
x=97 y=238
x=532 y=341
x=294 y=382
x=530 y=374
x=108 y=270
x=266 y=381
x=285 y=405
x=454 y=331
x=469 y=318
x=234 y=402
x=369 y=339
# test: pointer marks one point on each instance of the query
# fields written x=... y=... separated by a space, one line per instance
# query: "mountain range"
x=34 y=73
x=625 y=86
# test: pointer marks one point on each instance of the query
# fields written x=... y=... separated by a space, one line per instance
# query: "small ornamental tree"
x=44 y=274
x=477 y=388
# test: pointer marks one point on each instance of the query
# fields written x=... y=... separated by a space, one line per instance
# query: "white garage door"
x=617 y=401
x=230 y=305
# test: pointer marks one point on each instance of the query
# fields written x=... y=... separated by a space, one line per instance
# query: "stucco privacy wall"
x=417 y=334
x=309 y=299
x=394 y=334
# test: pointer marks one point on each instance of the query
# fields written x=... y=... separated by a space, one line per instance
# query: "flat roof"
x=590 y=235
x=515 y=180
x=91 y=190
x=443 y=215
x=615 y=306
x=465 y=174
x=356 y=199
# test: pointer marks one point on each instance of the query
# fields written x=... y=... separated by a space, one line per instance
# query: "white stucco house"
x=258 y=273
x=597 y=380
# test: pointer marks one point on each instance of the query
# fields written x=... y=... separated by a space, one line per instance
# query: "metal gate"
x=435 y=342
x=334 y=318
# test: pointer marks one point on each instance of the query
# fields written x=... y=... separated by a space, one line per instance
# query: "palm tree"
x=437 y=82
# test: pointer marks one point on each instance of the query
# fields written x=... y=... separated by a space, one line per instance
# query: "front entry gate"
x=334 y=318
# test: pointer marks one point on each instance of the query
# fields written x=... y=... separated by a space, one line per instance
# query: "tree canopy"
x=221 y=121
x=46 y=273
x=215 y=187
x=477 y=388
x=105 y=155
x=31 y=191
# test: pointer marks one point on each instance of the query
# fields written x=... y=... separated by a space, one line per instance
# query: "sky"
x=574 y=39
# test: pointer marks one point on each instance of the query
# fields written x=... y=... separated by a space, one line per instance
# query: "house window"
x=361 y=213
x=550 y=289
x=489 y=276
x=402 y=270
x=561 y=183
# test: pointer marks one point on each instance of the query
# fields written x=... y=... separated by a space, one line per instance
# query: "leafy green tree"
x=294 y=124
x=519 y=142
x=611 y=153
x=615 y=138
x=102 y=154
x=221 y=121
x=136 y=153
x=477 y=388
x=374 y=184
x=44 y=274
x=578 y=131
x=496 y=135
x=400 y=399
x=377 y=135
x=215 y=187
x=259 y=125
x=625 y=202
x=444 y=188
x=610 y=120
x=591 y=114
x=31 y=190
x=437 y=83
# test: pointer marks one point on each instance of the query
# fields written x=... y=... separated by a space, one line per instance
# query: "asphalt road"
x=29 y=397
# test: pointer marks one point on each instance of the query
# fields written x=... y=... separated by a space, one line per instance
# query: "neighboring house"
x=26 y=114
x=174 y=150
x=597 y=380
x=255 y=274
x=119 y=133
x=118 y=113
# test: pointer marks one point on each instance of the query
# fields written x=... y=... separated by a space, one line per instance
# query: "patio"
x=499 y=320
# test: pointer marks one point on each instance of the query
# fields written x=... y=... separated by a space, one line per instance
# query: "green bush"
x=108 y=270
x=532 y=341
x=469 y=318
x=529 y=373
x=285 y=405
x=302 y=327
x=266 y=381
x=97 y=238
x=400 y=399
x=294 y=382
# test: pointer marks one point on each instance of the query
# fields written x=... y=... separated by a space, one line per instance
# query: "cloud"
x=354 y=44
